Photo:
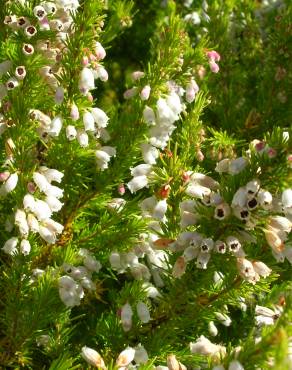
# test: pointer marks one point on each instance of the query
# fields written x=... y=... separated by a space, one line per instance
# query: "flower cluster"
x=127 y=313
x=161 y=124
x=126 y=357
x=35 y=214
x=72 y=285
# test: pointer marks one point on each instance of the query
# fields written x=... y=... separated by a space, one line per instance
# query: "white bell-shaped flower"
x=92 y=357
x=10 y=246
x=125 y=357
x=143 y=312
x=126 y=317
x=100 y=117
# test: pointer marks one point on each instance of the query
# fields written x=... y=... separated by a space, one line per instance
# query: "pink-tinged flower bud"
x=89 y=97
x=121 y=189
x=272 y=153
x=44 y=24
x=31 y=187
x=261 y=268
x=99 y=51
x=200 y=156
x=125 y=357
x=130 y=93
x=179 y=268
x=102 y=73
x=137 y=75
x=74 y=113
x=20 y=72
x=174 y=364
x=274 y=241
x=59 y=95
x=145 y=93
x=92 y=357
x=214 y=66
x=213 y=55
x=92 y=58
x=259 y=146
x=191 y=91
x=186 y=176
x=4 y=176
x=85 y=61
x=27 y=49
x=201 y=72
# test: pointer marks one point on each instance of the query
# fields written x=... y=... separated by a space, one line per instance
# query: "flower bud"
x=235 y=365
x=145 y=93
x=141 y=355
x=74 y=113
x=121 y=189
x=56 y=126
x=149 y=115
x=92 y=357
x=274 y=240
x=10 y=246
x=100 y=117
x=137 y=75
x=11 y=183
x=25 y=247
x=125 y=357
x=143 y=312
x=212 y=329
x=126 y=317
x=88 y=121
x=59 y=95
x=82 y=138
x=130 y=93
x=71 y=132
x=261 y=269
x=99 y=51
x=4 y=176
x=214 y=66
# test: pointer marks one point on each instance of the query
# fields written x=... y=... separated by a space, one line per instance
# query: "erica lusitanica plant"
x=145 y=184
